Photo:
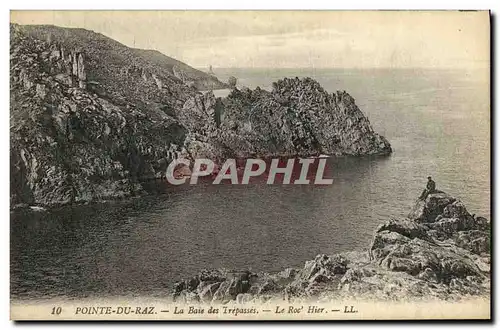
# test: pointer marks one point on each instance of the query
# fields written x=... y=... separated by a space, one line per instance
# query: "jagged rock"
x=324 y=265
x=426 y=211
x=383 y=243
x=356 y=274
x=483 y=263
x=265 y=286
x=417 y=255
x=449 y=226
x=426 y=251
x=214 y=285
x=405 y=227
x=234 y=284
x=78 y=69
x=455 y=210
x=63 y=78
x=207 y=290
x=405 y=261
x=298 y=117
x=198 y=113
x=475 y=241
x=288 y=274
x=482 y=223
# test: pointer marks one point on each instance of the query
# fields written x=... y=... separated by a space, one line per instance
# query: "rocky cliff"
x=92 y=119
x=440 y=251
x=88 y=121
x=296 y=118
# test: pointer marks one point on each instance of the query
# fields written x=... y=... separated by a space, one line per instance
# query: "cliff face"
x=439 y=251
x=83 y=127
x=298 y=117
x=92 y=118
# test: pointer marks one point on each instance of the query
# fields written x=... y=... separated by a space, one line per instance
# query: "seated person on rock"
x=430 y=188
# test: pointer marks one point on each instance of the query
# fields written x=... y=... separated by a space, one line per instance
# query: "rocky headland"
x=439 y=251
x=92 y=119
x=296 y=118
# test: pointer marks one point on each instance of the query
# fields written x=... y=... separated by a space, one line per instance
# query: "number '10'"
x=56 y=310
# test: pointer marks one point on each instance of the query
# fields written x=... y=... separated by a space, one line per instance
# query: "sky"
x=292 y=39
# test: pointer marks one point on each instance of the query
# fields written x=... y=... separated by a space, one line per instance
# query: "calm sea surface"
x=437 y=121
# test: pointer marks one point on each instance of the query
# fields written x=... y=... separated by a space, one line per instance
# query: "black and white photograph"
x=250 y=165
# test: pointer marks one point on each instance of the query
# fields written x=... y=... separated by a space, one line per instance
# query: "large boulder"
x=427 y=210
x=405 y=227
x=384 y=242
x=417 y=255
x=475 y=241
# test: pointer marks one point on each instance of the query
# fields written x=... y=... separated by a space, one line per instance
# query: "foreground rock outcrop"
x=440 y=251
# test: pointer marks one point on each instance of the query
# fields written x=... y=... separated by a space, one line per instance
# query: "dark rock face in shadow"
x=439 y=252
x=297 y=118
x=88 y=117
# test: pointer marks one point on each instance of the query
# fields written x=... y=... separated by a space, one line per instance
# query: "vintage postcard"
x=250 y=165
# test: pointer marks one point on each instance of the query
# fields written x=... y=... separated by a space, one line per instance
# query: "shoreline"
x=144 y=190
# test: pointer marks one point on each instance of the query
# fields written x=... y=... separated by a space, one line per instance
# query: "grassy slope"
x=104 y=50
